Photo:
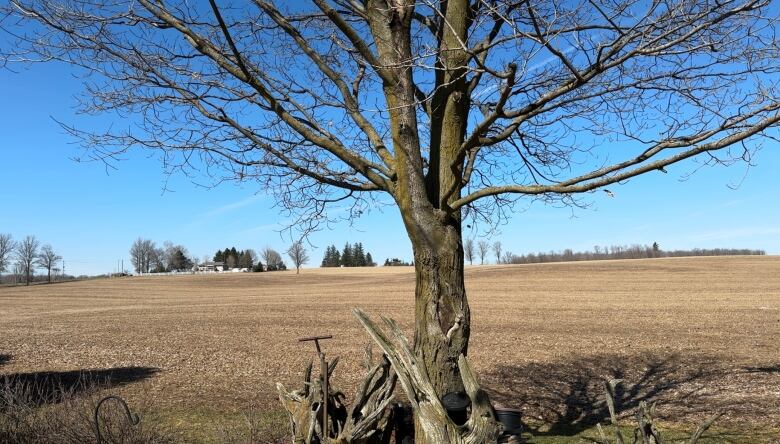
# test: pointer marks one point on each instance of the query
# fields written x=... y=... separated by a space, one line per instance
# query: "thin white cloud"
x=232 y=206
x=714 y=208
x=259 y=228
x=737 y=233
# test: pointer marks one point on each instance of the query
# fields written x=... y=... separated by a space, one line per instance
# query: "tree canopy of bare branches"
x=483 y=247
x=26 y=255
x=7 y=246
x=298 y=255
x=47 y=259
x=143 y=254
x=468 y=250
x=272 y=258
x=497 y=251
x=448 y=110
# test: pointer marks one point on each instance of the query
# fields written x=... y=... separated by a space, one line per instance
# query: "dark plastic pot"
x=511 y=420
x=457 y=404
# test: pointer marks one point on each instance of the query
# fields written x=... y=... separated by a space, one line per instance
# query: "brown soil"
x=696 y=334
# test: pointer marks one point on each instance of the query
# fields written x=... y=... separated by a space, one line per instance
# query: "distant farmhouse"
x=219 y=267
x=211 y=266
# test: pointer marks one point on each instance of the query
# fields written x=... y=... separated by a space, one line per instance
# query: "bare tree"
x=468 y=250
x=144 y=255
x=272 y=258
x=47 y=259
x=7 y=246
x=483 y=247
x=452 y=111
x=508 y=258
x=497 y=251
x=298 y=255
x=26 y=254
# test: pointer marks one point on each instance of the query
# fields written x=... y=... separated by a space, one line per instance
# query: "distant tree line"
x=350 y=256
x=232 y=258
x=395 y=262
x=635 y=251
x=147 y=257
x=268 y=259
x=22 y=258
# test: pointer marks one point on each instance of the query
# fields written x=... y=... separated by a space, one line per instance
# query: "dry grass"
x=697 y=334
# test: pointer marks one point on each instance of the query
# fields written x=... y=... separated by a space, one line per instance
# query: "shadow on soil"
x=41 y=388
x=763 y=369
x=5 y=359
x=567 y=396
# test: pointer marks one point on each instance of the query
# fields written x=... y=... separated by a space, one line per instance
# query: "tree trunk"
x=432 y=423
x=442 y=321
x=442 y=316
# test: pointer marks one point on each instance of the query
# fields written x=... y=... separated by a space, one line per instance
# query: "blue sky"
x=91 y=215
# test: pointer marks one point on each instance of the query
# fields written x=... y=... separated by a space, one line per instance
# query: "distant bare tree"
x=298 y=255
x=497 y=251
x=272 y=258
x=508 y=257
x=48 y=259
x=7 y=246
x=483 y=247
x=468 y=250
x=27 y=253
x=143 y=254
x=230 y=262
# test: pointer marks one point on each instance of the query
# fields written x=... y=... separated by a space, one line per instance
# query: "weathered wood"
x=431 y=416
x=367 y=421
x=645 y=431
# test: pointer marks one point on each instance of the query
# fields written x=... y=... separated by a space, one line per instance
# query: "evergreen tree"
x=346 y=256
x=370 y=261
x=326 y=258
x=358 y=255
x=336 y=260
x=332 y=257
x=178 y=261
x=219 y=256
x=245 y=260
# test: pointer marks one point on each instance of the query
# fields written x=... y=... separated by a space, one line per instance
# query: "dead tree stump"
x=366 y=421
x=431 y=416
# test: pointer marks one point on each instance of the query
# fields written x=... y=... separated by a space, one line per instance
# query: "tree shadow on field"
x=567 y=397
x=41 y=388
x=763 y=369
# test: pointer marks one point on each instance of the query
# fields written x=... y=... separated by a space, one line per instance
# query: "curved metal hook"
x=131 y=417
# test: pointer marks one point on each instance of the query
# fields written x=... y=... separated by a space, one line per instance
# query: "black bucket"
x=511 y=419
x=457 y=404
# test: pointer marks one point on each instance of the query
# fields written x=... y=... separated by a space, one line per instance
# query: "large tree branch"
x=328 y=142
x=365 y=51
x=350 y=102
x=622 y=171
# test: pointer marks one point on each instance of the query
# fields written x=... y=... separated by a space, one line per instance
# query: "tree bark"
x=442 y=315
